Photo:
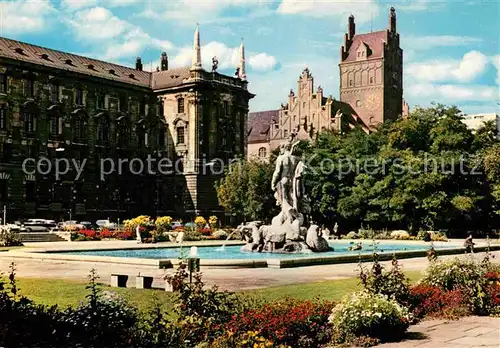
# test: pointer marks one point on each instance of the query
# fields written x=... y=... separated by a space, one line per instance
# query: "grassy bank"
x=67 y=293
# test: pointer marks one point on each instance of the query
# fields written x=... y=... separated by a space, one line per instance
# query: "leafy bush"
x=401 y=235
x=190 y=234
x=370 y=315
x=467 y=275
x=202 y=313
x=437 y=236
x=289 y=322
x=432 y=301
x=352 y=235
x=424 y=235
x=8 y=237
x=391 y=283
x=220 y=234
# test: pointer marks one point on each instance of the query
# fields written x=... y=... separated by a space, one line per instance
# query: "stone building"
x=371 y=80
x=57 y=105
x=371 y=72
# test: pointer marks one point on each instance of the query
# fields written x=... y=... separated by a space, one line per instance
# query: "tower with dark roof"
x=371 y=72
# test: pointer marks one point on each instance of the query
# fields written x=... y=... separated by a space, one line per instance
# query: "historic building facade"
x=58 y=108
x=371 y=80
x=371 y=72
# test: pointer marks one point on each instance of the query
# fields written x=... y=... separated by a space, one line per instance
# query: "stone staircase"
x=30 y=237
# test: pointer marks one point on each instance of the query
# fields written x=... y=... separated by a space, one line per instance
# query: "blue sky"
x=451 y=48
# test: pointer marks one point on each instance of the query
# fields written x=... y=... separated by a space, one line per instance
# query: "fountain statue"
x=288 y=231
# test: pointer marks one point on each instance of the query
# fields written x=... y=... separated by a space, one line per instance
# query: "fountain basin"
x=231 y=257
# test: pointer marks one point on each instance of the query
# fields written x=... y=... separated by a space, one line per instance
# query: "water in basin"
x=233 y=251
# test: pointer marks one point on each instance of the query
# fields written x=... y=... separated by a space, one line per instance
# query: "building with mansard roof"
x=371 y=92
x=55 y=104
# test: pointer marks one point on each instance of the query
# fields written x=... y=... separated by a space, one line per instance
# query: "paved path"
x=469 y=332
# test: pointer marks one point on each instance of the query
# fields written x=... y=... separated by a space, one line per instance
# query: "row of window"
x=29 y=92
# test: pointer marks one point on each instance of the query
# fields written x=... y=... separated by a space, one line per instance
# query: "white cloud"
x=97 y=23
x=469 y=67
x=113 y=37
x=496 y=63
x=452 y=93
x=363 y=10
x=432 y=41
x=73 y=5
x=188 y=12
x=262 y=61
x=25 y=16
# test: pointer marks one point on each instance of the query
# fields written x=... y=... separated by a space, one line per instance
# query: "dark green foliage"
x=426 y=172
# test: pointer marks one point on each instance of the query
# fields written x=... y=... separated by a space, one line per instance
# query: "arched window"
x=79 y=125
x=262 y=152
x=180 y=105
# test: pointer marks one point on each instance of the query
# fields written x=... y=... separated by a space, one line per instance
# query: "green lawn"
x=66 y=293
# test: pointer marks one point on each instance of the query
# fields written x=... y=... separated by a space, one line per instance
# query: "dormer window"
x=90 y=66
x=131 y=76
x=68 y=62
x=44 y=56
x=111 y=71
x=19 y=50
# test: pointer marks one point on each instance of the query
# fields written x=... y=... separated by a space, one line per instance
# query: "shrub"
x=202 y=313
x=9 y=237
x=141 y=220
x=392 y=283
x=401 y=235
x=432 y=301
x=190 y=234
x=289 y=322
x=205 y=231
x=220 y=234
x=424 y=235
x=466 y=275
x=124 y=235
x=366 y=233
x=437 y=236
x=106 y=234
x=352 y=235
x=371 y=315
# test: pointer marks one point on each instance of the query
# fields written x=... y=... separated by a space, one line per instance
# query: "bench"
x=143 y=282
x=119 y=280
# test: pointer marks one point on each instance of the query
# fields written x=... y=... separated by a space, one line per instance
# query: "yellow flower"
x=200 y=220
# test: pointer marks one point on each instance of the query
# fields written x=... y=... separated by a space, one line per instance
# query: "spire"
x=196 y=49
x=242 y=73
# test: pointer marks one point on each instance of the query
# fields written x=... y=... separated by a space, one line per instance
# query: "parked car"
x=106 y=224
x=89 y=225
x=38 y=225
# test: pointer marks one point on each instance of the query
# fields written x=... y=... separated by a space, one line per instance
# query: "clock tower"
x=371 y=72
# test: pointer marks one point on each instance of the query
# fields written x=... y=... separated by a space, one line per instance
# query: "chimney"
x=164 y=61
x=138 y=64
x=351 y=27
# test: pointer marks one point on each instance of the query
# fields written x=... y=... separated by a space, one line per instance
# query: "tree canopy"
x=427 y=171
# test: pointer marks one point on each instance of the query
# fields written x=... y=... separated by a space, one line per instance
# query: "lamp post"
x=193 y=262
